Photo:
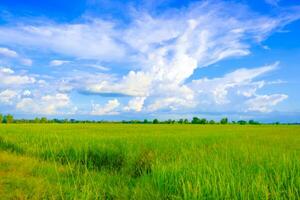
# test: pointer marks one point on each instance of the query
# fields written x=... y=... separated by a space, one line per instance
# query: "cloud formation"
x=108 y=109
x=151 y=61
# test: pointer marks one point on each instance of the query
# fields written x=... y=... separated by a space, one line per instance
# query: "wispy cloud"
x=8 y=53
x=58 y=62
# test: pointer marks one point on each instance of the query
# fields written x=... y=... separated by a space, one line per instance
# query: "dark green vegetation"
x=144 y=161
x=8 y=119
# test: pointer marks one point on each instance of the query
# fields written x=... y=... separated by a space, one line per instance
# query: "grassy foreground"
x=122 y=161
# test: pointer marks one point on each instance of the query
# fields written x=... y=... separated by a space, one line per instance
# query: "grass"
x=117 y=161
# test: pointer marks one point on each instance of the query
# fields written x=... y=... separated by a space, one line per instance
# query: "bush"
x=92 y=158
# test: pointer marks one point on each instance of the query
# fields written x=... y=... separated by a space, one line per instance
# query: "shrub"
x=106 y=158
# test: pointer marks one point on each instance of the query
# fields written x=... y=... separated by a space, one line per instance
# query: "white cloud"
x=7 y=96
x=135 y=104
x=272 y=2
x=170 y=49
x=13 y=54
x=8 y=52
x=6 y=70
x=134 y=84
x=9 y=78
x=239 y=82
x=264 y=103
x=58 y=62
x=93 y=40
x=47 y=104
x=99 y=67
x=26 y=61
x=26 y=93
x=161 y=53
x=107 y=109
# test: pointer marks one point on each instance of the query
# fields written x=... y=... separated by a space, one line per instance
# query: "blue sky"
x=93 y=59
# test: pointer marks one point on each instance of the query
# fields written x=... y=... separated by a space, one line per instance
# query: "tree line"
x=195 y=120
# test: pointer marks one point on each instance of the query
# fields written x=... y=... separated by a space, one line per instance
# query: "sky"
x=115 y=60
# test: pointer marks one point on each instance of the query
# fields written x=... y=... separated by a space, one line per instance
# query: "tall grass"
x=117 y=161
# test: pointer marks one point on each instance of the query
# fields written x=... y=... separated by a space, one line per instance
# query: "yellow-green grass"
x=123 y=161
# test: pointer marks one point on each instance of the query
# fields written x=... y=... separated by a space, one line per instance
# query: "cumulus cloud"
x=9 y=78
x=135 y=104
x=6 y=96
x=108 y=109
x=47 y=104
x=134 y=84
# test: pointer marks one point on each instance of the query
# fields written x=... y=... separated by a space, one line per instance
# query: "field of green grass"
x=123 y=161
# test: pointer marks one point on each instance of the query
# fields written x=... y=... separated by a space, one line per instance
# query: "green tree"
x=1 y=118
x=242 y=122
x=8 y=118
x=145 y=121
x=252 y=122
x=36 y=120
x=212 y=122
x=44 y=120
x=195 y=120
x=203 y=121
x=155 y=121
x=224 y=120
x=186 y=121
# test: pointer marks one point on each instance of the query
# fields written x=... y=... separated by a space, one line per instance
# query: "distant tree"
x=203 y=121
x=252 y=122
x=8 y=119
x=155 y=121
x=242 y=122
x=186 y=121
x=36 y=120
x=145 y=121
x=224 y=120
x=1 y=118
x=43 y=120
x=180 y=121
x=212 y=122
x=195 y=120
x=234 y=122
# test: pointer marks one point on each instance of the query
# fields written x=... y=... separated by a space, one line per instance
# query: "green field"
x=123 y=161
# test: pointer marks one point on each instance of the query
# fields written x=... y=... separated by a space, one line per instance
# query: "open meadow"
x=146 y=161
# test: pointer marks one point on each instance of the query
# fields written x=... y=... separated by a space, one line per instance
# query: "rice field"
x=146 y=161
